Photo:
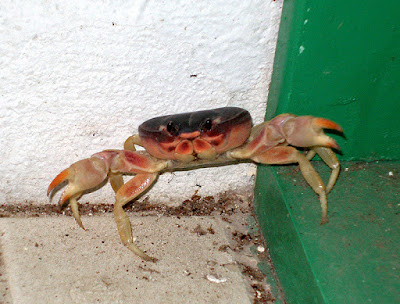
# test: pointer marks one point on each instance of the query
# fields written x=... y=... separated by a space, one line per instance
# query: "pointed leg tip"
x=324 y=220
x=150 y=259
x=75 y=211
x=81 y=225
x=131 y=246
x=79 y=221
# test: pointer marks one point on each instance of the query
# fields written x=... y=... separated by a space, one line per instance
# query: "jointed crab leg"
x=75 y=210
x=116 y=181
x=329 y=157
x=125 y=194
x=131 y=142
x=287 y=155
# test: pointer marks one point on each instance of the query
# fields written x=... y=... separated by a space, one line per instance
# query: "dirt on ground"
x=248 y=247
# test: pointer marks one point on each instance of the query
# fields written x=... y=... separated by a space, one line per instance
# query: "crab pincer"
x=91 y=172
x=81 y=176
x=274 y=142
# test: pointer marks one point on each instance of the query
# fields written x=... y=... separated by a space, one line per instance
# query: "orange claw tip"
x=58 y=180
x=332 y=144
x=327 y=124
x=63 y=199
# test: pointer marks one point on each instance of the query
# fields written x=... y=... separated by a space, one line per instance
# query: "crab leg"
x=116 y=179
x=288 y=155
x=125 y=194
x=131 y=142
x=329 y=157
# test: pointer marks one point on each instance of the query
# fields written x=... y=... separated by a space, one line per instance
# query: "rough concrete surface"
x=49 y=259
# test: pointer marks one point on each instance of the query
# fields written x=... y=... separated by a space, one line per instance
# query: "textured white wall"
x=78 y=78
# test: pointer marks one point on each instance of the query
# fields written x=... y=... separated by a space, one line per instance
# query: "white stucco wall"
x=78 y=77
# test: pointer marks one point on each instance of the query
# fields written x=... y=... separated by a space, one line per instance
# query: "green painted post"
x=339 y=60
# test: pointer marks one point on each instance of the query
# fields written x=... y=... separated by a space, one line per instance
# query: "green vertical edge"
x=293 y=269
x=287 y=253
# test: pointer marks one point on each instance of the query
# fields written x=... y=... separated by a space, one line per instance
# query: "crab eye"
x=206 y=125
x=172 y=128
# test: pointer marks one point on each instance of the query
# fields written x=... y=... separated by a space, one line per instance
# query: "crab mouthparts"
x=198 y=148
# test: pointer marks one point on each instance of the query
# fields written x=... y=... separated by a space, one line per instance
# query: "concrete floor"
x=202 y=259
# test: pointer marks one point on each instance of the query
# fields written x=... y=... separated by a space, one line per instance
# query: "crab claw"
x=61 y=177
x=81 y=176
x=308 y=131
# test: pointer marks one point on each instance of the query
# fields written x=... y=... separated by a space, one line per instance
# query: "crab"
x=198 y=139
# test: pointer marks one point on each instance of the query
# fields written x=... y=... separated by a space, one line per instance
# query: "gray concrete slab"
x=52 y=260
